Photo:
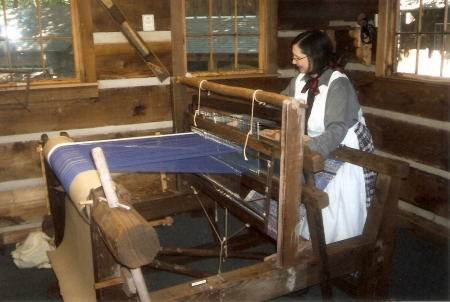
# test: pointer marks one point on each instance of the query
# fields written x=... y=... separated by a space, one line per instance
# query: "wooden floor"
x=420 y=269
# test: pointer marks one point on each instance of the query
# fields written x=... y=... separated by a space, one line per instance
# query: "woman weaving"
x=333 y=118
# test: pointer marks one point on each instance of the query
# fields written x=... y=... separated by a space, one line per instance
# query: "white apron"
x=346 y=213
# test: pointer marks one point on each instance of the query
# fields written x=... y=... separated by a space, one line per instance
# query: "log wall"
x=408 y=120
x=129 y=101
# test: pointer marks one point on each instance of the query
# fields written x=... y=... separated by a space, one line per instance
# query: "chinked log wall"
x=130 y=101
x=408 y=120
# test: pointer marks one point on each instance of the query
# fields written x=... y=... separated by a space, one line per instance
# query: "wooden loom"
x=290 y=269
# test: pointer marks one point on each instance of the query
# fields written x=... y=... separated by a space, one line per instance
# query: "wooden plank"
x=393 y=167
x=61 y=91
x=427 y=191
x=416 y=98
x=118 y=61
x=266 y=280
x=22 y=206
x=84 y=45
x=135 y=39
x=19 y=161
x=423 y=228
x=113 y=107
x=16 y=236
x=425 y=145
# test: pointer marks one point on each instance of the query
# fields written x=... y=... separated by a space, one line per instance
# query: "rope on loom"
x=251 y=120
x=197 y=112
x=223 y=241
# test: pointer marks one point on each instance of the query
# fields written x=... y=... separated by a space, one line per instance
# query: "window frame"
x=387 y=48
x=267 y=51
x=84 y=57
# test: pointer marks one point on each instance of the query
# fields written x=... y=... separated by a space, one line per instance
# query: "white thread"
x=197 y=112
x=251 y=121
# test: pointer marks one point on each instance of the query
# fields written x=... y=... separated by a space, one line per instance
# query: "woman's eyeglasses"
x=294 y=58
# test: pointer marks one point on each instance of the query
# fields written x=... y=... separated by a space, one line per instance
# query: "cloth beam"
x=186 y=153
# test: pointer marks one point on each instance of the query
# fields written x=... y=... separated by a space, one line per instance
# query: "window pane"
x=25 y=55
x=408 y=21
x=55 y=18
x=26 y=47
x=197 y=53
x=446 y=61
x=223 y=53
x=59 y=61
x=406 y=53
x=222 y=23
x=197 y=25
x=248 y=53
x=3 y=56
x=195 y=8
x=432 y=16
x=21 y=20
x=430 y=55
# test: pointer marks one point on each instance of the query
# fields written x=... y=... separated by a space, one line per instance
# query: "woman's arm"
x=341 y=113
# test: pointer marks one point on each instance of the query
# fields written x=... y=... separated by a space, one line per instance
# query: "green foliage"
x=30 y=3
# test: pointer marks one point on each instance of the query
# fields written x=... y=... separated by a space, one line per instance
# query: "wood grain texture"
x=117 y=61
x=112 y=107
x=304 y=14
x=22 y=206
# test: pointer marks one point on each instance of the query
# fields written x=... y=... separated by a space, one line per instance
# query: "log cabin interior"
x=109 y=70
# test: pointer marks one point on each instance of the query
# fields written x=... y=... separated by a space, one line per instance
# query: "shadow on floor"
x=420 y=271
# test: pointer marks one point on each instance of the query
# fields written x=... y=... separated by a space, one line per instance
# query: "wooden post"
x=290 y=182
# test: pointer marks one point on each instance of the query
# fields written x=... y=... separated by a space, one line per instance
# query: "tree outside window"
x=36 y=39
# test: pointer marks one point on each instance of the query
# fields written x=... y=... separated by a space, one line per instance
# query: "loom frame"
x=289 y=269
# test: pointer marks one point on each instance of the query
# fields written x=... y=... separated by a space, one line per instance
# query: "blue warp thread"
x=184 y=153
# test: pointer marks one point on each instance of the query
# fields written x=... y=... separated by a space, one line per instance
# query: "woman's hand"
x=306 y=138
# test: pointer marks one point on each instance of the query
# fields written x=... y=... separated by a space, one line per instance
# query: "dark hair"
x=317 y=46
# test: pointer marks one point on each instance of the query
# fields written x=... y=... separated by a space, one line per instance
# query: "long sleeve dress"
x=336 y=119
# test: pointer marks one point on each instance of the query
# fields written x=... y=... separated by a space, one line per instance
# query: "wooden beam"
x=266 y=280
x=236 y=92
x=291 y=167
x=129 y=237
x=135 y=39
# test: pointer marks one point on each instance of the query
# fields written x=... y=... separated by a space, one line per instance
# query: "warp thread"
x=251 y=121
x=197 y=112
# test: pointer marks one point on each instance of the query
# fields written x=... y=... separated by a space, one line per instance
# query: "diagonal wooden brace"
x=135 y=40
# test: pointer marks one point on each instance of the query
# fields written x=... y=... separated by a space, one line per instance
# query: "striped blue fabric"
x=184 y=153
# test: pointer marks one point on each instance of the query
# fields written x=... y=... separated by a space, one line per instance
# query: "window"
x=422 y=38
x=36 y=41
x=224 y=37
